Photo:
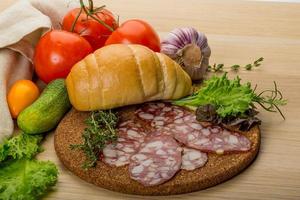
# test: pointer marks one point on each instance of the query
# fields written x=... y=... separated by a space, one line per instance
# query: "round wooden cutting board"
x=218 y=169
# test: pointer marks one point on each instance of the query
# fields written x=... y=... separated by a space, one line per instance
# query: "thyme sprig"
x=222 y=68
x=100 y=131
x=216 y=68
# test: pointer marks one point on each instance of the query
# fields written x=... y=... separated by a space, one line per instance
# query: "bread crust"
x=120 y=75
x=218 y=169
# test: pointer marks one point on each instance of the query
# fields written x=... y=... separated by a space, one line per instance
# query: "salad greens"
x=26 y=179
x=22 y=176
x=20 y=146
x=232 y=99
x=207 y=113
x=229 y=97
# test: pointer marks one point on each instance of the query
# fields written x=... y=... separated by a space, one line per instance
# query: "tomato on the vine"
x=57 y=52
x=135 y=32
x=95 y=26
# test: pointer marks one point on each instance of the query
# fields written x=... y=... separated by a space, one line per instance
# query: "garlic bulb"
x=190 y=49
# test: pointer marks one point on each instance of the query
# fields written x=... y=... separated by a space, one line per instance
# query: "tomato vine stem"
x=91 y=6
x=90 y=13
x=75 y=21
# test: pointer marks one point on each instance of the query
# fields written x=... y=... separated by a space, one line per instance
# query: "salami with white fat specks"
x=118 y=154
x=157 y=161
x=213 y=139
x=184 y=127
x=130 y=135
x=160 y=114
x=151 y=143
x=193 y=159
x=132 y=130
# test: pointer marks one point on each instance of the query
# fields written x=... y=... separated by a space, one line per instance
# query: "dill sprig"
x=100 y=131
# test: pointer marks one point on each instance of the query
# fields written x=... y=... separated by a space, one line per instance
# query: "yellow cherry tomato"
x=21 y=95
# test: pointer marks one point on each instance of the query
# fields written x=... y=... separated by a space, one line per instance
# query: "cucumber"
x=47 y=111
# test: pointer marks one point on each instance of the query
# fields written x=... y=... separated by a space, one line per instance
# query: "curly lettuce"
x=22 y=176
x=26 y=179
x=20 y=146
x=230 y=97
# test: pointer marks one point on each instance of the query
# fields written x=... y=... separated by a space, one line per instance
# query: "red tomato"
x=94 y=32
x=57 y=52
x=135 y=32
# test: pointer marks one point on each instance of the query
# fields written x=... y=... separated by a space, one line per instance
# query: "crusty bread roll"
x=120 y=75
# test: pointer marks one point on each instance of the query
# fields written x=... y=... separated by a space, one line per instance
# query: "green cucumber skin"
x=47 y=111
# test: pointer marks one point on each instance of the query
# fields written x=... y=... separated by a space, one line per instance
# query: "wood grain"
x=238 y=32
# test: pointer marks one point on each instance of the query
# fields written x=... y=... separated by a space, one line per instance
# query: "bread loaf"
x=120 y=75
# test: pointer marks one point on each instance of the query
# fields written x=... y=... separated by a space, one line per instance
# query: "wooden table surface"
x=238 y=32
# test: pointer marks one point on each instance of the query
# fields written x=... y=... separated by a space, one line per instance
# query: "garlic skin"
x=190 y=49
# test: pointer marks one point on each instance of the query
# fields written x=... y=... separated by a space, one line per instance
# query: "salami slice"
x=214 y=139
x=118 y=154
x=187 y=130
x=193 y=159
x=130 y=135
x=132 y=130
x=160 y=114
x=184 y=125
x=157 y=161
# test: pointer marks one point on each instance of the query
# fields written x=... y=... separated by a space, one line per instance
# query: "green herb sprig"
x=257 y=63
x=100 y=131
x=215 y=68
x=271 y=100
x=235 y=67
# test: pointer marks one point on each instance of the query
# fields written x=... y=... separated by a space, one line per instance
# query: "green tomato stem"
x=90 y=14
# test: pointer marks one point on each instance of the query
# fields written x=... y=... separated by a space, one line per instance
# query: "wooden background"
x=238 y=33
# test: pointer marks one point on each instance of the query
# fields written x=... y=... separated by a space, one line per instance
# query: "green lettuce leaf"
x=20 y=146
x=26 y=179
x=230 y=97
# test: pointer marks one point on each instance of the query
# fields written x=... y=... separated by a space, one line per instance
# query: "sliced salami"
x=185 y=126
x=118 y=154
x=214 y=139
x=193 y=159
x=189 y=131
x=160 y=114
x=157 y=161
x=150 y=143
x=130 y=135
x=132 y=130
